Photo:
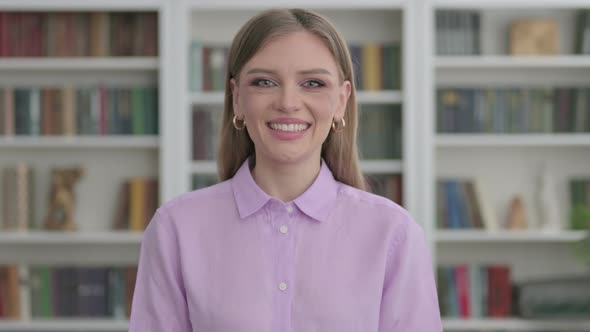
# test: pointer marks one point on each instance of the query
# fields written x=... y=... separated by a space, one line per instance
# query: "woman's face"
x=289 y=93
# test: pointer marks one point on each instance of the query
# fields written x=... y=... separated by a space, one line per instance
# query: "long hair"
x=339 y=150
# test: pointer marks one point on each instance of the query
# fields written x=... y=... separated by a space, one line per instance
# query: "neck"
x=285 y=181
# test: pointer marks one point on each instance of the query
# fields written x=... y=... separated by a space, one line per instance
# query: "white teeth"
x=289 y=127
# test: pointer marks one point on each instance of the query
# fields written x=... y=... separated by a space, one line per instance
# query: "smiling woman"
x=289 y=241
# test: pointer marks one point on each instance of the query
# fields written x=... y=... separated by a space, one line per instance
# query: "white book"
x=488 y=215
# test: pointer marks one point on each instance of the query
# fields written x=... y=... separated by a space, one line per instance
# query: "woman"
x=289 y=241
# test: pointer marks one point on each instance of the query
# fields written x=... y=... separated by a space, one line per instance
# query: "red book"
x=3 y=34
x=499 y=291
x=103 y=130
x=463 y=289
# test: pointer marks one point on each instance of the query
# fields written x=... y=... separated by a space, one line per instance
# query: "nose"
x=289 y=99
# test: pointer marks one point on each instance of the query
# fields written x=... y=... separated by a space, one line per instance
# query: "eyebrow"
x=303 y=72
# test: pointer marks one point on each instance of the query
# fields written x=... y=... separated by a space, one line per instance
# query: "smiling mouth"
x=291 y=127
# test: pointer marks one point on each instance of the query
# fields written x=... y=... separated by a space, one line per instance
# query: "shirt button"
x=284 y=229
x=282 y=286
x=289 y=209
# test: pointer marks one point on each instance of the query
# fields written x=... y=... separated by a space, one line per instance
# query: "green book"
x=138 y=111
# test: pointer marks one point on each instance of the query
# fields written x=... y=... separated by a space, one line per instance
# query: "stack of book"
x=206 y=130
x=67 y=291
x=70 y=34
x=457 y=32
x=462 y=204
x=470 y=291
x=79 y=111
x=516 y=110
x=136 y=204
x=380 y=131
x=556 y=298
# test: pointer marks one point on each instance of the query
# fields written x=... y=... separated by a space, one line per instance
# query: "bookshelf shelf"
x=509 y=4
x=107 y=141
x=381 y=166
x=329 y=4
x=208 y=167
x=474 y=236
x=79 y=63
x=363 y=97
x=512 y=140
x=65 y=325
x=77 y=238
x=512 y=62
x=514 y=324
x=367 y=166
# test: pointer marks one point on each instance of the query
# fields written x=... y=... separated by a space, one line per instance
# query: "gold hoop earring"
x=234 y=121
x=337 y=128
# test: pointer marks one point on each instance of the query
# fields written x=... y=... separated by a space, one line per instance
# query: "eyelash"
x=257 y=81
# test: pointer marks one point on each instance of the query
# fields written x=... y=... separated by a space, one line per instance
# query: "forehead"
x=296 y=50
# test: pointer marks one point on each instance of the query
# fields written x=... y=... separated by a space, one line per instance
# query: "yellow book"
x=137 y=204
x=69 y=109
x=372 y=71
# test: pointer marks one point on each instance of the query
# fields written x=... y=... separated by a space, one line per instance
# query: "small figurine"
x=517 y=216
x=62 y=199
x=547 y=200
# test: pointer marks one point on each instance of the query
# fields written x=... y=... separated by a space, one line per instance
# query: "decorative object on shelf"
x=534 y=37
x=548 y=210
x=62 y=199
x=517 y=216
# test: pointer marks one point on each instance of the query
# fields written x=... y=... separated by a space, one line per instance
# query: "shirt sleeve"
x=409 y=301
x=159 y=301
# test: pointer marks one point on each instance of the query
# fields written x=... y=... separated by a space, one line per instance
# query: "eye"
x=313 y=84
x=262 y=82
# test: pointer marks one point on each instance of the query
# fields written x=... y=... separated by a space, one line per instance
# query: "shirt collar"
x=317 y=201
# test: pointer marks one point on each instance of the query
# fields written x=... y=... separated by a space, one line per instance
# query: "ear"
x=235 y=94
x=343 y=96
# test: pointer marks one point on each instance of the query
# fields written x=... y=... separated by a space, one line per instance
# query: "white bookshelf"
x=512 y=62
x=46 y=238
x=107 y=160
x=507 y=237
x=80 y=142
x=515 y=325
x=507 y=163
x=79 y=63
x=513 y=140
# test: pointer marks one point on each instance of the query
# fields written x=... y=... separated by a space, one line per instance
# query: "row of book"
x=475 y=291
x=79 y=111
x=387 y=185
x=462 y=204
x=582 y=37
x=517 y=110
x=379 y=132
x=580 y=203
x=66 y=291
x=74 y=34
x=457 y=32
x=136 y=203
x=376 y=66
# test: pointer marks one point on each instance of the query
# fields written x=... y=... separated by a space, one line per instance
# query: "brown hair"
x=340 y=150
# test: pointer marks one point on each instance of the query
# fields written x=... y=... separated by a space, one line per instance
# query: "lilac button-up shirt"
x=230 y=258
